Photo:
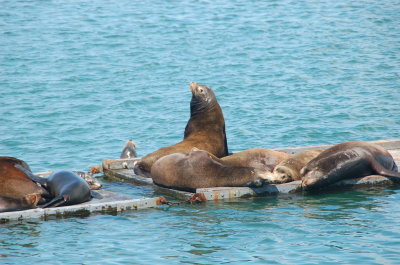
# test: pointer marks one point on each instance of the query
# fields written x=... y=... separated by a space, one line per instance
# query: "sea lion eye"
x=201 y=90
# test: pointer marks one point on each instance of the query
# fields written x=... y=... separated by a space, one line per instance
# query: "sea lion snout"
x=193 y=86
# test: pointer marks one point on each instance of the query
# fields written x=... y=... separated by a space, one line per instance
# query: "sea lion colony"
x=201 y=160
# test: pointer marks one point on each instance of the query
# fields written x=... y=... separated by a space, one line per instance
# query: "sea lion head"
x=312 y=178
x=203 y=98
x=32 y=199
x=142 y=168
x=283 y=174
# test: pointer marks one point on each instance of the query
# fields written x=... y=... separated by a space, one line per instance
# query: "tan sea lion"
x=29 y=201
x=200 y=169
x=289 y=170
x=260 y=158
x=204 y=130
x=348 y=160
x=14 y=182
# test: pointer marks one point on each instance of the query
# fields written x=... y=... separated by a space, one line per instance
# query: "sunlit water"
x=79 y=78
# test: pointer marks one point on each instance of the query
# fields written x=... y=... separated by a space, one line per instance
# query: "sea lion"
x=353 y=159
x=204 y=130
x=65 y=187
x=14 y=182
x=93 y=183
x=200 y=169
x=260 y=158
x=29 y=201
x=289 y=170
x=129 y=150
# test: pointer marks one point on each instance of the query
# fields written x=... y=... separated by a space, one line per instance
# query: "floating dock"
x=123 y=169
x=110 y=203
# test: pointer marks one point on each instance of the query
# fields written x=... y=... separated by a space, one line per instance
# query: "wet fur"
x=200 y=169
x=29 y=201
x=14 y=182
x=348 y=160
x=289 y=170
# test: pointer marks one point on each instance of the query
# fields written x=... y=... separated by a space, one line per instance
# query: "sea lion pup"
x=289 y=170
x=348 y=160
x=9 y=204
x=129 y=150
x=65 y=187
x=15 y=183
x=200 y=169
x=93 y=183
x=204 y=130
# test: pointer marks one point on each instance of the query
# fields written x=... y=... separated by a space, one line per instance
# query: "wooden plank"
x=110 y=203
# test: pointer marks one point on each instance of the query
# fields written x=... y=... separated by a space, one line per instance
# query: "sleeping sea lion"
x=289 y=170
x=200 y=169
x=29 y=201
x=129 y=150
x=204 y=130
x=15 y=183
x=348 y=160
x=260 y=158
x=65 y=187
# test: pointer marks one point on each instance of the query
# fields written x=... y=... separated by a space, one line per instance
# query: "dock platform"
x=110 y=203
x=123 y=169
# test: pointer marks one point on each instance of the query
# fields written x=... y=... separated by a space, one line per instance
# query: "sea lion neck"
x=199 y=106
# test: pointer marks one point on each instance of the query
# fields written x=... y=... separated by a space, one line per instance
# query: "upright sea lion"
x=29 y=201
x=129 y=150
x=204 y=130
x=289 y=169
x=65 y=187
x=348 y=160
x=14 y=182
x=200 y=169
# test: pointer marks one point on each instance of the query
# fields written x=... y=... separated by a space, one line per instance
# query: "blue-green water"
x=79 y=78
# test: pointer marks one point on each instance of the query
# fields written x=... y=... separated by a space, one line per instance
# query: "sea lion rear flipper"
x=41 y=181
x=96 y=195
x=380 y=170
x=55 y=202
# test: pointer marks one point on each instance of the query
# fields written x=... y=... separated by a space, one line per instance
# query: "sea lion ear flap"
x=194 y=149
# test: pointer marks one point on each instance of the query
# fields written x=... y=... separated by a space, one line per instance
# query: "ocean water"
x=79 y=78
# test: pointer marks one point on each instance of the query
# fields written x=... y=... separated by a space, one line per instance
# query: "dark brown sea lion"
x=200 y=169
x=129 y=150
x=65 y=187
x=29 y=201
x=289 y=170
x=204 y=130
x=14 y=182
x=348 y=160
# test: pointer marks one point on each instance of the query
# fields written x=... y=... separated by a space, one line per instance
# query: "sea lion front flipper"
x=96 y=195
x=33 y=177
